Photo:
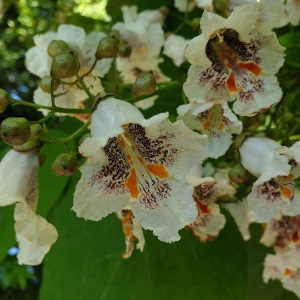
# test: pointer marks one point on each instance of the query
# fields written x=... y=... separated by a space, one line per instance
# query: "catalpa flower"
x=214 y=119
x=132 y=231
x=207 y=191
x=231 y=60
x=39 y=63
x=188 y=5
x=283 y=267
x=141 y=164
x=240 y=214
x=144 y=33
x=277 y=168
x=174 y=48
x=19 y=185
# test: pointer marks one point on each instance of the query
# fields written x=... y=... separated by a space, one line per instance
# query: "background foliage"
x=86 y=262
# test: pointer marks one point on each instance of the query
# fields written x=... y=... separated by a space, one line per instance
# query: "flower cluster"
x=150 y=172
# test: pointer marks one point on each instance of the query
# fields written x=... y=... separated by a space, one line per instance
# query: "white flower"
x=240 y=214
x=231 y=60
x=39 y=63
x=18 y=185
x=188 y=5
x=145 y=35
x=277 y=167
x=174 y=48
x=139 y=163
x=207 y=191
x=285 y=268
x=214 y=119
x=132 y=231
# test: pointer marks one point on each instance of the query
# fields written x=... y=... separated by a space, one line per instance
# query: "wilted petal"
x=34 y=235
x=18 y=178
x=214 y=119
x=232 y=60
x=132 y=231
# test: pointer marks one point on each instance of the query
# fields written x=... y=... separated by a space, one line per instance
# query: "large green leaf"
x=86 y=263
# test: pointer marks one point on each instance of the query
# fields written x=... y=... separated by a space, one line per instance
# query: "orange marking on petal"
x=203 y=207
x=122 y=143
x=131 y=184
x=211 y=116
x=221 y=126
x=133 y=148
x=286 y=192
x=287 y=272
x=252 y=67
x=127 y=135
x=127 y=231
x=126 y=219
x=231 y=83
x=290 y=176
x=129 y=159
x=228 y=65
x=158 y=170
x=124 y=126
x=295 y=237
x=206 y=125
x=141 y=160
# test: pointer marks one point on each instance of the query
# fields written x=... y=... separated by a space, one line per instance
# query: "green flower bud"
x=164 y=11
x=196 y=24
x=15 y=131
x=57 y=46
x=144 y=85
x=36 y=130
x=30 y=144
x=4 y=96
x=238 y=174
x=115 y=33
x=84 y=137
x=107 y=48
x=45 y=84
x=65 y=165
x=124 y=49
x=288 y=116
x=65 y=65
x=100 y=97
x=238 y=142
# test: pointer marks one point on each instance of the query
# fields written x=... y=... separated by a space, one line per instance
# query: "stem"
x=86 y=89
x=294 y=137
x=52 y=95
x=72 y=136
x=43 y=120
x=57 y=109
x=181 y=19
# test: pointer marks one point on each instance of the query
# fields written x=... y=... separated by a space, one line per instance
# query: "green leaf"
x=86 y=263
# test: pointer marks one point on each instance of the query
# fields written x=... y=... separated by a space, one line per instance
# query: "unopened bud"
x=36 y=130
x=100 y=97
x=107 y=48
x=115 y=33
x=65 y=165
x=196 y=24
x=3 y=100
x=238 y=174
x=84 y=137
x=57 y=46
x=238 y=142
x=45 y=84
x=124 y=49
x=15 y=131
x=65 y=65
x=144 y=85
x=164 y=11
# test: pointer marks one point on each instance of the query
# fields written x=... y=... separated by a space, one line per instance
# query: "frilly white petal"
x=183 y=5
